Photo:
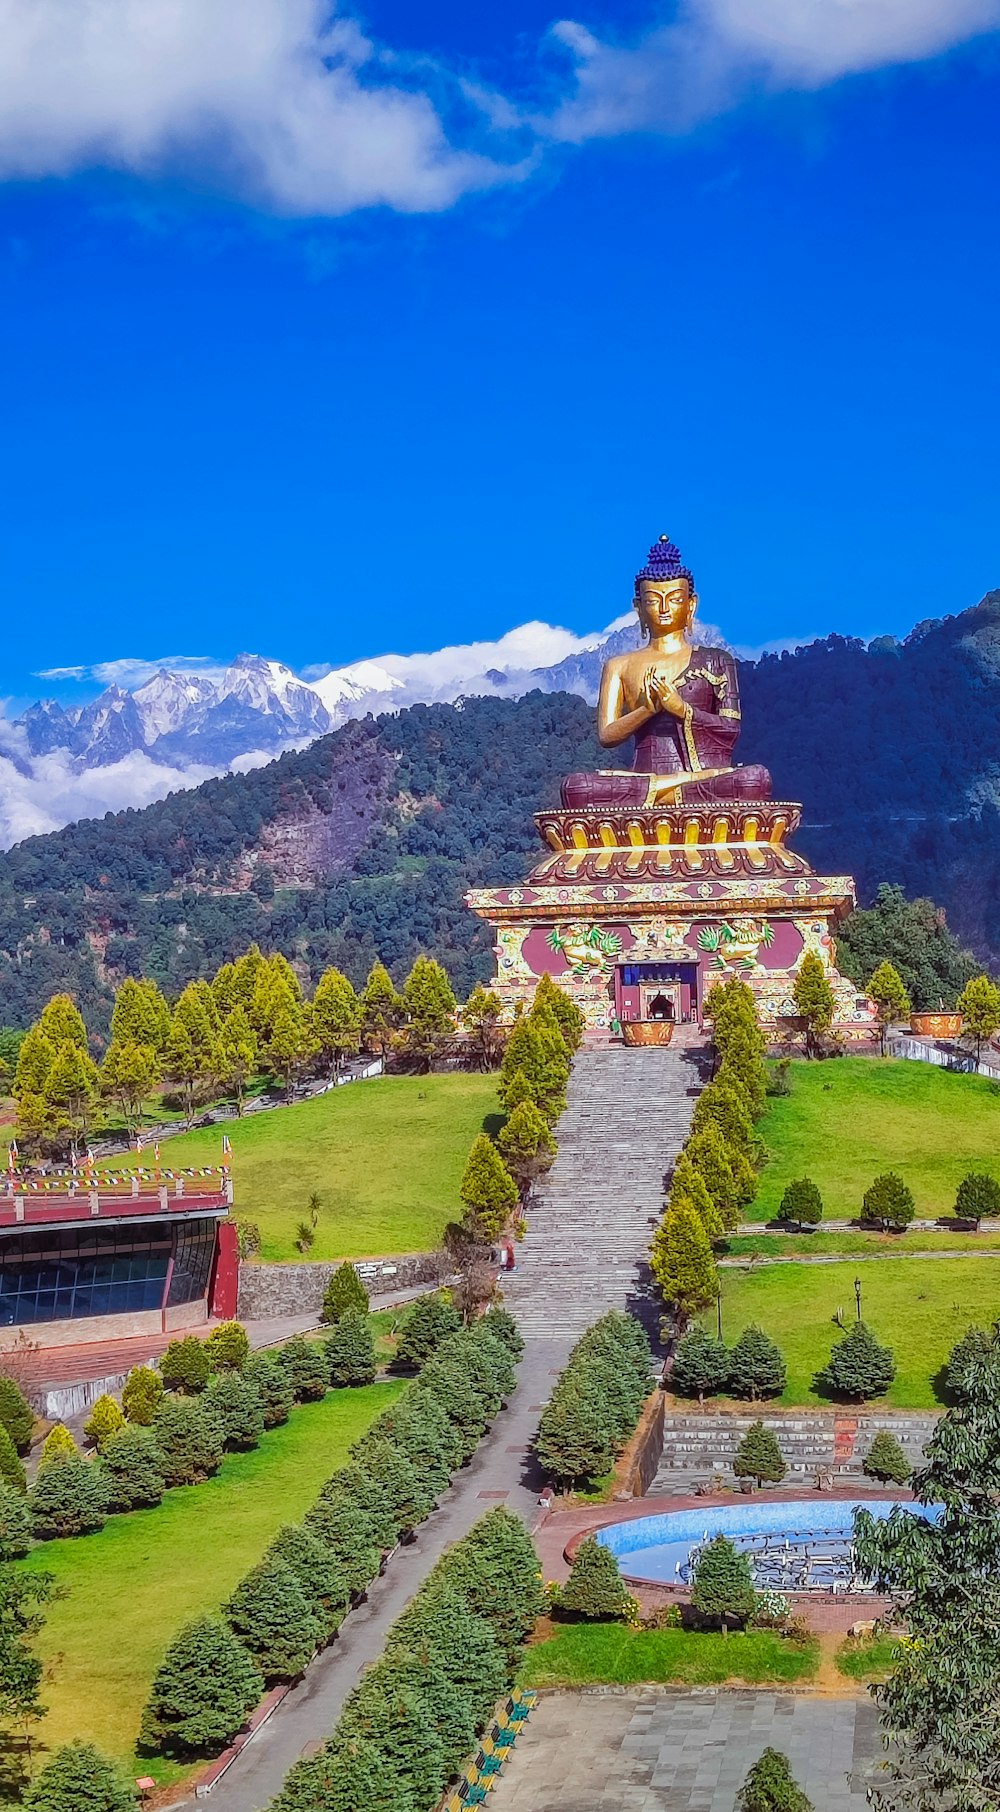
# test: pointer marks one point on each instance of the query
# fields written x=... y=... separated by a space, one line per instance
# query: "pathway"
x=650 y=1750
x=590 y=1224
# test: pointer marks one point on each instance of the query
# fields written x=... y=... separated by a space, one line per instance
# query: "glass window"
x=64 y=1273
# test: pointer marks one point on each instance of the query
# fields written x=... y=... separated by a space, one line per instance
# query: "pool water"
x=792 y=1546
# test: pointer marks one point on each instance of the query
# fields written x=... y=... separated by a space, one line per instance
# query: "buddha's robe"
x=681 y=760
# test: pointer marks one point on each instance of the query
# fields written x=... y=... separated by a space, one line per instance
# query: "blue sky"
x=618 y=284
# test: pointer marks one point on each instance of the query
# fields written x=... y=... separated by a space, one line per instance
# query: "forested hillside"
x=364 y=843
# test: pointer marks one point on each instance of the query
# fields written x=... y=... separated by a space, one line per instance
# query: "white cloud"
x=53 y=795
x=711 y=51
x=132 y=671
x=284 y=101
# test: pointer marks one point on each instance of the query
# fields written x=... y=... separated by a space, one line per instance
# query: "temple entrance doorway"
x=657 y=991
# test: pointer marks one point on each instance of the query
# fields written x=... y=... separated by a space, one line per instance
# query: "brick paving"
x=647 y=1750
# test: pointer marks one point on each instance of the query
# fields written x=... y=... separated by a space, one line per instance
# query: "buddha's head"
x=665 y=598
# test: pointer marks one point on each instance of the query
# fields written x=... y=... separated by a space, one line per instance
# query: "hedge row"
x=288 y=1606
x=410 y=1726
x=596 y=1402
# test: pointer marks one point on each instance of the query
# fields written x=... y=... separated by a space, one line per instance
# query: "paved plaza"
x=646 y=1750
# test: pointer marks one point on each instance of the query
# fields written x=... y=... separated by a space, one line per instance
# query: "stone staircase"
x=590 y=1224
x=697 y=1445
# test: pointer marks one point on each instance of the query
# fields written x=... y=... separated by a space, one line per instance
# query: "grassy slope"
x=848 y=1119
x=584 y=1654
x=130 y=1587
x=919 y=1307
x=386 y=1156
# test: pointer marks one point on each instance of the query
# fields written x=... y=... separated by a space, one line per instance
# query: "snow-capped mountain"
x=177 y=727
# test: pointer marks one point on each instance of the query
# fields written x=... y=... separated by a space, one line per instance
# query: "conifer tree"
x=886 y=1460
x=421 y=1429
x=104 y=1420
x=516 y=1091
x=273 y=1619
x=228 y=1347
x=488 y=1191
x=430 y=1007
x=770 y=1787
x=382 y=1011
x=689 y=1184
x=69 y=1497
x=889 y=1201
x=801 y=1203
x=428 y=1321
x=15 y=1522
x=16 y=1414
x=35 y=1058
x=595 y=1588
x=495 y=1567
x=273 y=1386
x=307 y=1368
x=185 y=1365
x=347 y=1533
x=979 y=1005
x=758 y=1456
x=237 y=1054
x=978 y=1198
x=574 y=1443
x=235 y=1405
x=350 y=1350
x=756 y=1368
x=190 y=1443
x=722 y=1585
x=344 y=1291
x=481 y=1016
x=129 y=1074
x=78 y=1778
x=527 y=1146
x=72 y=1087
x=726 y=1107
x=319 y=1573
x=202 y=1692
x=344 y=1776
x=892 y=1003
x=142 y=1394
x=700 y=1365
x=500 y=1325
x=967 y=1364
x=140 y=1015
x=815 y=1001
x=682 y=1262
x=336 y=1019
x=858 y=1367
x=439 y=1625
x=58 y=1445
x=568 y=1015
x=11 y=1469
x=709 y=1154
x=61 y=1022
x=133 y=1469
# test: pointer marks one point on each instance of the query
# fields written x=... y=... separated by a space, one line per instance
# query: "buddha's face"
x=665 y=606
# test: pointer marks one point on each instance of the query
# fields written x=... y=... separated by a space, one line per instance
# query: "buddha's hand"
x=663 y=695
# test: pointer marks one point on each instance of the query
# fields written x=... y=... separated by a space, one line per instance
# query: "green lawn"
x=855 y=1245
x=386 y=1156
x=589 y=1654
x=850 y=1118
x=130 y=1586
x=873 y=1660
x=917 y=1306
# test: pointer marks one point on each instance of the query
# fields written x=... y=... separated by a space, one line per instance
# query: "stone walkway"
x=651 y=1750
x=591 y=1222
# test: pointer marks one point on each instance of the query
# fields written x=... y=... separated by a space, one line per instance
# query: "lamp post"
x=857 y=1295
x=718 y=1309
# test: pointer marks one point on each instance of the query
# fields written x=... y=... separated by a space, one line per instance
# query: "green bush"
x=16 y=1414
x=858 y=1367
x=350 y=1349
x=463 y=1403
x=142 y=1395
x=496 y=1568
x=596 y=1401
x=202 y=1693
x=769 y=1787
x=343 y=1777
x=186 y=1366
x=886 y=1460
x=270 y=1380
x=307 y=1369
x=78 y=1778
x=756 y=1368
x=344 y=1291
x=701 y=1364
x=191 y=1444
x=234 y=1402
x=967 y=1359
x=317 y=1570
x=68 y=1497
x=348 y=1534
x=11 y=1470
x=440 y=1626
x=228 y=1347
x=406 y=1497
x=420 y=1428
x=57 y=1445
x=802 y=1203
x=889 y=1201
x=272 y=1616
x=758 y=1456
x=502 y=1326
x=595 y=1588
x=722 y=1588
x=978 y=1198
x=15 y=1523
x=355 y=1486
x=426 y=1323
x=133 y=1469
x=105 y=1419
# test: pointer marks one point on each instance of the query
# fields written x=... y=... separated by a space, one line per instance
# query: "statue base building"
x=665 y=876
x=637 y=913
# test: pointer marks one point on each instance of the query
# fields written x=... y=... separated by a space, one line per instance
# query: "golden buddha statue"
x=679 y=701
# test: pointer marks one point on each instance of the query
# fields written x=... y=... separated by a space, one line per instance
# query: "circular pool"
x=801 y=1546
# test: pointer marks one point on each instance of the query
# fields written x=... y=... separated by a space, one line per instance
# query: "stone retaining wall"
x=269 y=1290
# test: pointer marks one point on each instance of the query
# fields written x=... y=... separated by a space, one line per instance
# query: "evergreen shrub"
x=269 y=1378
x=69 y=1497
x=186 y=1366
x=756 y=1368
x=596 y=1401
x=133 y=1469
x=770 y=1787
x=191 y=1444
x=889 y=1201
x=228 y=1347
x=595 y=1588
x=202 y=1693
x=802 y=1203
x=978 y=1198
x=317 y=1570
x=700 y=1365
x=722 y=1586
x=426 y=1323
x=142 y=1395
x=350 y=1349
x=236 y=1406
x=344 y=1291
x=271 y=1614
x=758 y=1456
x=78 y=1778
x=16 y=1414
x=306 y=1366
x=11 y=1470
x=15 y=1523
x=858 y=1367
x=105 y=1419
x=885 y=1459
